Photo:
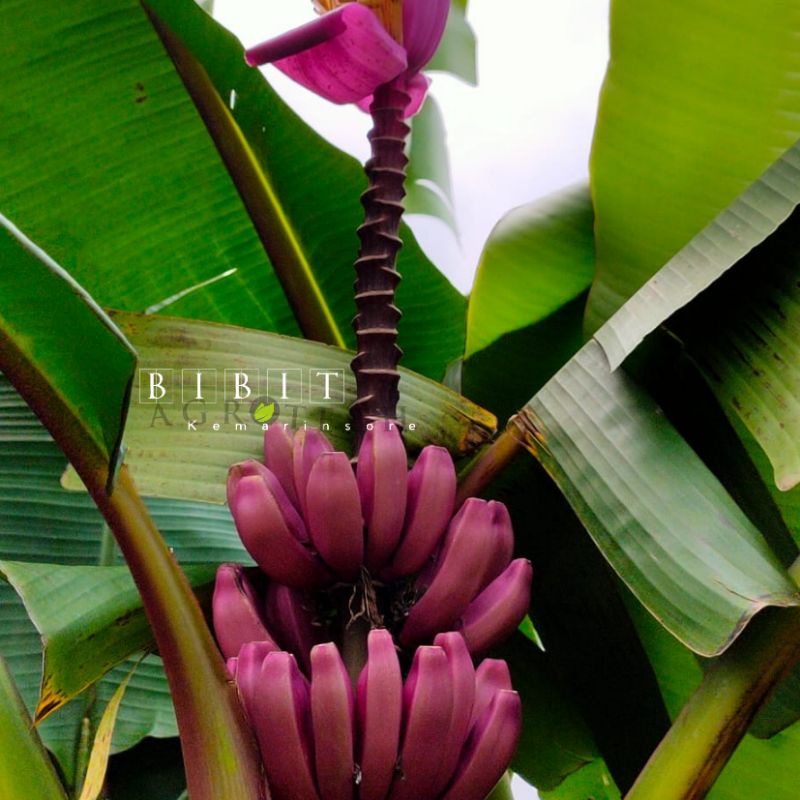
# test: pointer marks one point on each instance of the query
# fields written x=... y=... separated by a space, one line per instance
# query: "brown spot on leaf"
x=49 y=701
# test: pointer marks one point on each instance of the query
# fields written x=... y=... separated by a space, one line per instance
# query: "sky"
x=522 y=133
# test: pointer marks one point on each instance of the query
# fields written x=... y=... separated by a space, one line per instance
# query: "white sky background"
x=523 y=133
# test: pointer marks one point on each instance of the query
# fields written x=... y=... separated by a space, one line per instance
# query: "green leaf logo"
x=264 y=412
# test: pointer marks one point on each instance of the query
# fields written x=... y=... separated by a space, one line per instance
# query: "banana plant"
x=551 y=528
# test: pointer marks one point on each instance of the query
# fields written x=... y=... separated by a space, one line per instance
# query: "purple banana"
x=503 y=547
x=333 y=512
x=308 y=446
x=495 y=613
x=380 y=708
x=382 y=475
x=489 y=749
x=282 y=720
x=491 y=677
x=460 y=572
x=427 y=712
x=289 y=614
x=279 y=457
x=333 y=719
x=245 y=469
x=248 y=672
x=462 y=676
x=272 y=531
x=431 y=496
x=234 y=610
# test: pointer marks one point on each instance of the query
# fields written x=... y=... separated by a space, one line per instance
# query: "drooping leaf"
x=698 y=101
x=314 y=191
x=101 y=749
x=661 y=518
x=59 y=356
x=744 y=335
x=174 y=449
x=588 y=639
x=25 y=768
x=665 y=369
x=745 y=223
x=90 y=619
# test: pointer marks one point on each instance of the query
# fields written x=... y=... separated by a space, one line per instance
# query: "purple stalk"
x=375 y=324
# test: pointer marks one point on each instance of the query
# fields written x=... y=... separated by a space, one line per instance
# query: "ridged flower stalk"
x=377 y=316
x=375 y=324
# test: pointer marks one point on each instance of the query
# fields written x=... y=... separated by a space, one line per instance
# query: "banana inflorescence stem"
x=375 y=323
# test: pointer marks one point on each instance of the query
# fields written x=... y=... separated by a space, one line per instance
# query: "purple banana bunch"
x=309 y=521
x=448 y=732
x=319 y=529
x=355 y=46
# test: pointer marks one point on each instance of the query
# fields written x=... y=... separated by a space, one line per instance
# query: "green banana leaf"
x=63 y=356
x=174 y=448
x=538 y=258
x=25 y=768
x=736 y=230
x=698 y=101
x=744 y=335
x=661 y=518
x=90 y=619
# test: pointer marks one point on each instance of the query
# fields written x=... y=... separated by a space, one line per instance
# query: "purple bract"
x=351 y=49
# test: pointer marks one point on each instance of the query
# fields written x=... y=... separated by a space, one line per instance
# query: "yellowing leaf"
x=98 y=760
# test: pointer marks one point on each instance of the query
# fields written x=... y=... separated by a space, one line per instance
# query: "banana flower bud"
x=355 y=47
